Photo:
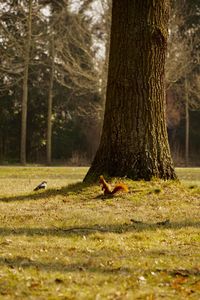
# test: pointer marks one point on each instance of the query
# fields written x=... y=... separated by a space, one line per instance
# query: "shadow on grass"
x=71 y=188
x=25 y=263
x=87 y=230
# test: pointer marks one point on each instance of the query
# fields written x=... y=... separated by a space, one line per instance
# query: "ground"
x=69 y=242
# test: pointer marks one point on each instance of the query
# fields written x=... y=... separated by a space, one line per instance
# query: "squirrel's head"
x=101 y=178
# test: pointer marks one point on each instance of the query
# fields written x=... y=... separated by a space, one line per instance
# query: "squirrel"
x=107 y=188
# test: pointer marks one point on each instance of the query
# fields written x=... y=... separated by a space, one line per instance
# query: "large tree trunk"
x=134 y=140
x=25 y=88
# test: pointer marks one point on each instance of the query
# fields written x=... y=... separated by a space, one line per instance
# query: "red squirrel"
x=107 y=188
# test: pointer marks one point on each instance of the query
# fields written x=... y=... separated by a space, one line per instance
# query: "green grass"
x=19 y=180
x=190 y=176
x=69 y=242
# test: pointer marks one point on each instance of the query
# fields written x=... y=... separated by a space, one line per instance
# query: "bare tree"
x=182 y=61
x=50 y=99
x=25 y=86
x=178 y=59
x=20 y=34
x=75 y=58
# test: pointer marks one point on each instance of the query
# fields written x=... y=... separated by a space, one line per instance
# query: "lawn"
x=69 y=242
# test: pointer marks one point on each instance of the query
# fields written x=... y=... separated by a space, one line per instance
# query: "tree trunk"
x=1 y=148
x=134 y=140
x=186 y=125
x=50 y=100
x=25 y=88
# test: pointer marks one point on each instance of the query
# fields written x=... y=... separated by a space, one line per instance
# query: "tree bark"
x=187 y=122
x=25 y=88
x=134 y=140
x=50 y=100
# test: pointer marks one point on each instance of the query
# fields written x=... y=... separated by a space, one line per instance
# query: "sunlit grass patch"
x=18 y=180
x=189 y=176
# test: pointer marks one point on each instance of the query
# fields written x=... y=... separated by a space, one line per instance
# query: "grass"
x=190 y=176
x=69 y=242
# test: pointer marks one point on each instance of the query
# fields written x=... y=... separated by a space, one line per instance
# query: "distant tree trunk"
x=187 y=123
x=134 y=140
x=50 y=100
x=1 y=148
x=25 y=87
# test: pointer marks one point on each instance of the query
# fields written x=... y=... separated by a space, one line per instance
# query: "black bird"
x=42 y=185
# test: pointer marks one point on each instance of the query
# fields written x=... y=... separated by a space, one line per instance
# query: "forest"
x=53 y=75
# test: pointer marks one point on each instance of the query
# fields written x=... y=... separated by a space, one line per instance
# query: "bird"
x=42 y=185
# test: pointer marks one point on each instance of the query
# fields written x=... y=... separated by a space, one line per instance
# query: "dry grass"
x=69 y=242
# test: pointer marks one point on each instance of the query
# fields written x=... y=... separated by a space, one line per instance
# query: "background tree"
x=182 y=71
x=134 y=139
x=75 y=80
x=81 y=48
x=19 y=20
x=50 y=100
x=25 y=84
x=75 y=69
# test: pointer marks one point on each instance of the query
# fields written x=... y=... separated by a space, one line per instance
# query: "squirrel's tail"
x=120 y=187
